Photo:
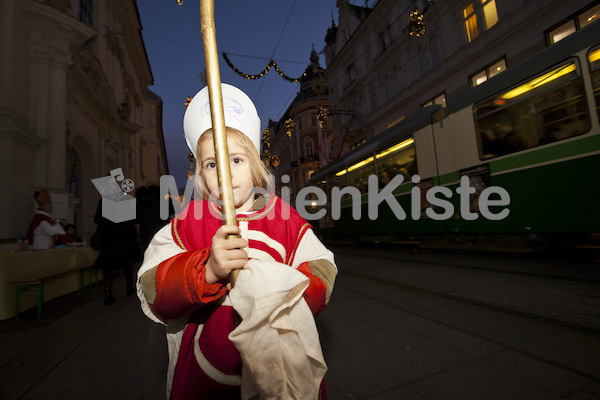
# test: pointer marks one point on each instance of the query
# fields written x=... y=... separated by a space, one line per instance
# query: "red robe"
x=37 y=219
x=209 y=365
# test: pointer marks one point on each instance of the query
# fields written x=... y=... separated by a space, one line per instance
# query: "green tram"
x=532 y=130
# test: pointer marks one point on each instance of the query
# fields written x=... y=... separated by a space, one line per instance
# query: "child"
x=70 y=236
x=184 y=279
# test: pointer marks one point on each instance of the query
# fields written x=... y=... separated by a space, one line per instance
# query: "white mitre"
x=240 y=113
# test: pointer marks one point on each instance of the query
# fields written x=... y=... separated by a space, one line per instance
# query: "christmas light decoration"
x=321 y=114
x=267 y=138
x=289 y=127
x=266 y=154
x=275 y=161
x=416 y=24
x=192 y=161
x=271 y=63
x=187 y=101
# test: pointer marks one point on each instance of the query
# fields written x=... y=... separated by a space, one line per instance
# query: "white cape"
x=277 y=337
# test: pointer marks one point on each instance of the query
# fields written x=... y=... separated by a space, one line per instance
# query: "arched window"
x=423 y=60
x=433 y=52
x=308 y=147
x=397 y=80
x=389 y=90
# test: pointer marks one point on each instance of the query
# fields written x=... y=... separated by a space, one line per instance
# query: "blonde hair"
x=261 y=175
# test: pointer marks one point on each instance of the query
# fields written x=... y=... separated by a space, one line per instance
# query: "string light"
x=180 y=2
x=271 y=63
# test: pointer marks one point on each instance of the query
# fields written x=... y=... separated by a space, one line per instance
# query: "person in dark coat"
x=118 y=250
x=148 y=213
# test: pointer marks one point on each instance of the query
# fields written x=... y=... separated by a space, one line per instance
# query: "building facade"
x=300 y=141
x=388 y=60
x=74 y=104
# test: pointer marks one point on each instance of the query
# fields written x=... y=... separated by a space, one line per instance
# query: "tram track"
x=489 y=269
x=516 y=349
x=568 y=302
x=576 y=327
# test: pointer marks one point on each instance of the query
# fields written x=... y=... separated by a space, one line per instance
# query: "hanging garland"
x=271 y=63
x=416 y=24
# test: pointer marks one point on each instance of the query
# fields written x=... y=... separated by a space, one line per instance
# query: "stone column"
x=38 y=108
x=56 y=150
x=53 y=37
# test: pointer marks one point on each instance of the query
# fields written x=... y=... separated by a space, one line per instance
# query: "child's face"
x=241 y=175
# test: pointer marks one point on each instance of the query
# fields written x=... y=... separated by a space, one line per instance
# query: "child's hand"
x=226 y=254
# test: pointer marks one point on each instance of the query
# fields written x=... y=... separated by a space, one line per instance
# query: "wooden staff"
x=213 y=76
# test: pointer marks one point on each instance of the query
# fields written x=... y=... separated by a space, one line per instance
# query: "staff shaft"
x=213 y=76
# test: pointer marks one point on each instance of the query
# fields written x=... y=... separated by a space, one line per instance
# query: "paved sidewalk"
x=381 y=342
x=82 y=349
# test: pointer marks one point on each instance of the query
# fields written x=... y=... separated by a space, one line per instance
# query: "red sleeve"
x=181 y=287
x=315 y=292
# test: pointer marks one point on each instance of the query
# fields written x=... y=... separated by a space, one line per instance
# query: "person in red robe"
x=43 y=228
x=184 y=279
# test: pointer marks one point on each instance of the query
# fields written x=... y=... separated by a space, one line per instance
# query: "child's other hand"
x=226 y=254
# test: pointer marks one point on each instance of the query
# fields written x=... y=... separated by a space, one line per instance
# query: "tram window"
x=402 y=162
x=549 y=107
x=358 y=177
x=594 y=61
x=335 y=181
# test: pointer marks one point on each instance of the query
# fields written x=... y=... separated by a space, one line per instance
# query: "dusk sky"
x=251 y=33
